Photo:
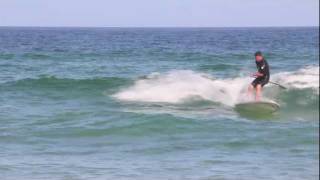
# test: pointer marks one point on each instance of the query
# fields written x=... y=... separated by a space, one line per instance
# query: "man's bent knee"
x=258 y=86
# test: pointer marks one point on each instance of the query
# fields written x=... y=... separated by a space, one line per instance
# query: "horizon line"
x=36 y=26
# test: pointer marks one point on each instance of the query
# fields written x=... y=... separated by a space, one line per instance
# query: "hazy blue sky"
x=159 y=13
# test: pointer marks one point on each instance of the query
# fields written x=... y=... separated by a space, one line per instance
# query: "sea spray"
x=307 y=77
x=179 y=85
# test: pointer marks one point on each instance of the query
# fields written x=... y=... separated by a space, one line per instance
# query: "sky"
x=159 y=13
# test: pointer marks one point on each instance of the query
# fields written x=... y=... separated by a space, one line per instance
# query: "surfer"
x=262 y=76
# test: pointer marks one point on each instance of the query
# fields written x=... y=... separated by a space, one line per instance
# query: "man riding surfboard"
x=262 y=76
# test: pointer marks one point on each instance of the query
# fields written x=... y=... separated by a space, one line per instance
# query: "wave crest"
x=180 y=85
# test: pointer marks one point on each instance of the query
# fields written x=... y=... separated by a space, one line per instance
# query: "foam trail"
x=180 y=85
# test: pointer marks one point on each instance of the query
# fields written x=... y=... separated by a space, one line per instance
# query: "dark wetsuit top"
x=263 y=68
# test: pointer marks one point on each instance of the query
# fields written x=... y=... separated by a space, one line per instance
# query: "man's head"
x=258 y=56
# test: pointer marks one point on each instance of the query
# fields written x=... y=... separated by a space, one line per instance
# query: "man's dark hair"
x=258 y=53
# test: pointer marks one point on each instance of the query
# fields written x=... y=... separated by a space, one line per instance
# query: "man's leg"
x=258 y=92
x=250 y=91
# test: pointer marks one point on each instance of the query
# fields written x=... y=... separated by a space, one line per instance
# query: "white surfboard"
x=260 y=107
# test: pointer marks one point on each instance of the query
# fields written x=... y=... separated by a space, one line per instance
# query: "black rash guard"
x=263 y=68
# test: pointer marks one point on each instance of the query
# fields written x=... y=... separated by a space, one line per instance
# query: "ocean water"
x=156 y=103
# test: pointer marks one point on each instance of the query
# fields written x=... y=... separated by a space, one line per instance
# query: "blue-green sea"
x=156 y=103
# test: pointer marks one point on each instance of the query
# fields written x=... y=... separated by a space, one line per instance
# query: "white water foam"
x=179 y=85
x=307 y=77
